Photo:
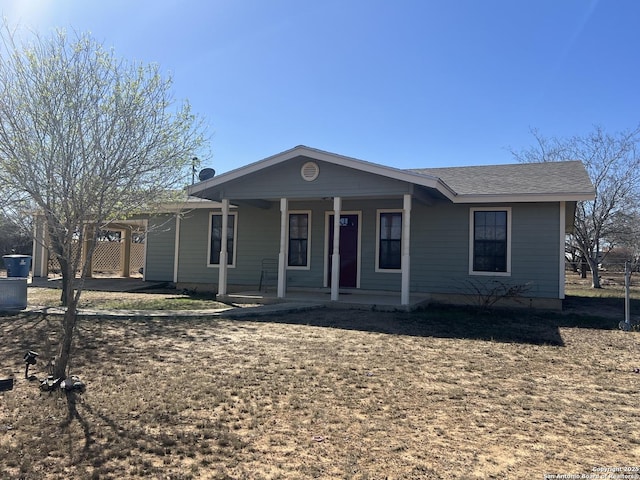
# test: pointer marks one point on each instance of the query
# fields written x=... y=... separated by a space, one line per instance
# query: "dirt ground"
x=327 y=394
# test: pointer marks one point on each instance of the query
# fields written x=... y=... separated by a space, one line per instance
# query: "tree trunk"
x=66 y=290
x=64 y=350
x=69 y=300
x=583 y=268
x=595 y=273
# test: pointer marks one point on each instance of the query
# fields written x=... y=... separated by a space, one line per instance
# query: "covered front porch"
x=340 y=238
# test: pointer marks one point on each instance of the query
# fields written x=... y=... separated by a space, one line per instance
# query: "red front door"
x=348 y=250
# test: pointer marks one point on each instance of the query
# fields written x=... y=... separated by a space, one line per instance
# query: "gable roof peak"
x=482 y=183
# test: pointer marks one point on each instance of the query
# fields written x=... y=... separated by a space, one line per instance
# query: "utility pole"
x=627 y=296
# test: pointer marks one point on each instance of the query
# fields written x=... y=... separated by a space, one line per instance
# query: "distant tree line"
x=13 y=239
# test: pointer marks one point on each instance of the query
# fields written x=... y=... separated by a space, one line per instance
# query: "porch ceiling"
x=420 y=194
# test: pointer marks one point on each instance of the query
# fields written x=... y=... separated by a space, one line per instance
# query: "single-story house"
x=311 y=221
x=335 y=225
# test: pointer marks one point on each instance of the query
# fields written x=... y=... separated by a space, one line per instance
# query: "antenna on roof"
x=194 y=163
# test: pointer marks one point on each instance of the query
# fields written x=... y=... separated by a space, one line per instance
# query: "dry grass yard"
x=442 y=393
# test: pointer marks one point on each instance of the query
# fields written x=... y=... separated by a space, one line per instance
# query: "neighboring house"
x=337 y=225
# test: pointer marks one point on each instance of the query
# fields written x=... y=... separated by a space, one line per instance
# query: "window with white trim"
x=490 y=241
x=389 y=245
x=215 y=239
x=299 y=228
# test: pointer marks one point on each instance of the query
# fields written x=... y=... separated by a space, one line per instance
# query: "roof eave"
x=525 y=197
x=177 y=207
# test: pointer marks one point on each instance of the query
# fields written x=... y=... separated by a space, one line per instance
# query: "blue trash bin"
x=17 y=265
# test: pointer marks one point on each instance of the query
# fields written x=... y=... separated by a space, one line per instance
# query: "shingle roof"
x=515 y=179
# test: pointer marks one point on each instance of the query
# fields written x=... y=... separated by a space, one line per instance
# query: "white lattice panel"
x=54 y=265
x=106 y=257
x=137 y=257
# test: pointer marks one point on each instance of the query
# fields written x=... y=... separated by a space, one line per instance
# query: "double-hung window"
x=389 y=254
x=215 y=239
x=490 y=241
x=299 y=251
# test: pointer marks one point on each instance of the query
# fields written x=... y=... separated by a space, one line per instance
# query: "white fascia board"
x=524 y=198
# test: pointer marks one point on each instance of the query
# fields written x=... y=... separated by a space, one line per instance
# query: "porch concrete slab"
x=358 y=300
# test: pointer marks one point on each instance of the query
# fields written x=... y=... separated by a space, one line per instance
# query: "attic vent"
x=310 y=171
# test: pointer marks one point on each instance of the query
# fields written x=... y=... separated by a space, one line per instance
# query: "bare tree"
x=613 y=164
x=629 y=238
x=87 y=138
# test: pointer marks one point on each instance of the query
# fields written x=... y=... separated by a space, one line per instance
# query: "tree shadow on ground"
x=595 y=309
x=499 y=325
x=74 y=414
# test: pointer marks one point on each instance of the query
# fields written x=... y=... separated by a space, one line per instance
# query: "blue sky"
x=405 y=83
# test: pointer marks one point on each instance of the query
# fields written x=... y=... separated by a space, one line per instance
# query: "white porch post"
x=40 y=259
x=406 y=257
x=563 y=234
x=222 y=266
x=176 y=249
x=44 y=252
x=335 y=257
x=282 y=256
x=126 y=252
x=44 y=258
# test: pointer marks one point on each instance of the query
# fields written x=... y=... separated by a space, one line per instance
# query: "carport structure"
x=118 y=255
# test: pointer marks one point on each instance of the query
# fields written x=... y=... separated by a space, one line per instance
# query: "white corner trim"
x=563 y=236
x=176 y=246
